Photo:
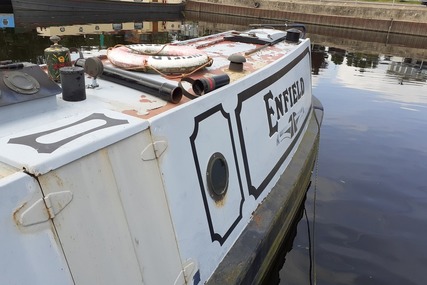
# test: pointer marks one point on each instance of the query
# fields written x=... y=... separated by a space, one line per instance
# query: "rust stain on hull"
x=15 y=214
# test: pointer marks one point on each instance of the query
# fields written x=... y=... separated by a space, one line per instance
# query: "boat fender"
x=203 y=85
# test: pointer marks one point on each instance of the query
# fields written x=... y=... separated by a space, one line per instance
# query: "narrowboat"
x=182 y=163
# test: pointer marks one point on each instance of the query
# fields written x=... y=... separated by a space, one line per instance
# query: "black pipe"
x=206 y=84
x=163 y=90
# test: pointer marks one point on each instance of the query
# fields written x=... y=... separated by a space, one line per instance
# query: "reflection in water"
x=44 y=14
x=337 y=55
x=362 y=60
x=408 y=70
x=273 y=276
x=369 y=42
x=372 y=195
x=106 y=35
x=318 y=58
x=393 y=79
x=372 y=71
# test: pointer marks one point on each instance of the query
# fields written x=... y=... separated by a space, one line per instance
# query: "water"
x=370 y=184
x=366 y=210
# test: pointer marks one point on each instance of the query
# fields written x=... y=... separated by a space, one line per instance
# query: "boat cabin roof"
x=47 y=109
x=258 y=47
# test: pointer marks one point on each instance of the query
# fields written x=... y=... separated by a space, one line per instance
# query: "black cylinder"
x=293 y=35
x=73 y=83
x=206 y=84
x=170 y=93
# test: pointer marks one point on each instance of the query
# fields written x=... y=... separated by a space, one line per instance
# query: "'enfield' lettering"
x=277 y=106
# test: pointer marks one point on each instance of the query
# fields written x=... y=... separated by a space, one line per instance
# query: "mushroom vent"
x=236 y=62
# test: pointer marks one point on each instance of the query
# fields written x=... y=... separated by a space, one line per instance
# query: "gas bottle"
x=56 y=57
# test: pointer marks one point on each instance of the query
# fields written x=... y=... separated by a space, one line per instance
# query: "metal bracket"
x=45 y=208
x=189 y=274
x=154 y=150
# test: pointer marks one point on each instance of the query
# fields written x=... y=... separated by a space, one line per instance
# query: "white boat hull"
x=239 y=128
x=107 y=191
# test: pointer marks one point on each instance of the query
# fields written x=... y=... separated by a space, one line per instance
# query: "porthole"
x=217 y=176
x=21 y=82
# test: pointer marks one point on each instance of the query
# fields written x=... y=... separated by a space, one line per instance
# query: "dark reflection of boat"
x=273 y=275
x=6 y=6
x=45 y=19
x=49 y=13
x=100 y=6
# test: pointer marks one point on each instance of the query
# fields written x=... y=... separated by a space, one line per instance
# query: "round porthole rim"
x=215 y=193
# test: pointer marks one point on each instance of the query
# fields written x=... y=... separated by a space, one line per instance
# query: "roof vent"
x=236 y=62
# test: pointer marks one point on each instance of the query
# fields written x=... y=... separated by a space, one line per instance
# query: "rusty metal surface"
x=256 y=55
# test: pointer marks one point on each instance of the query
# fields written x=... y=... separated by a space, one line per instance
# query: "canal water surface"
x=366 y=210
x=364 y=220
